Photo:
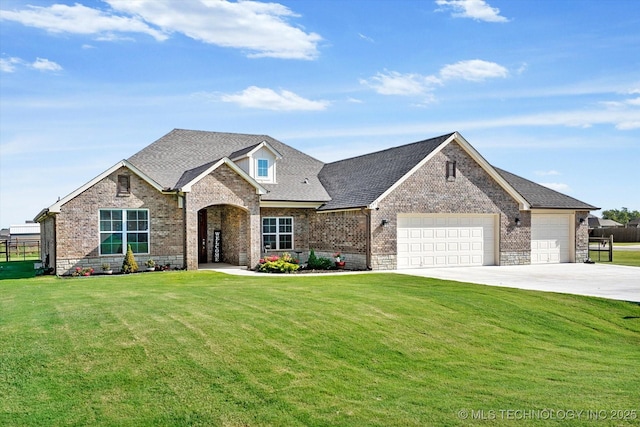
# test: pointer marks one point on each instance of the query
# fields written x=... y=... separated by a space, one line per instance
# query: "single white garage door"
x=430 y=240
x=550 y=238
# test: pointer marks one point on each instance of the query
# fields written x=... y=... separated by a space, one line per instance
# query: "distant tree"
x=622 y=216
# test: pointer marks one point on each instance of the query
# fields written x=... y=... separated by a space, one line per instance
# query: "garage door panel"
x=446 y=240
x=550 y=238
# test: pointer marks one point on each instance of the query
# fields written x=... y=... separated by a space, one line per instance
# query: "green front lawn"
x=631 y=258
x=203 y=348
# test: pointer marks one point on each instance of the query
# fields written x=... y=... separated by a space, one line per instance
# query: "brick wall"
x=429 y=191
x=77 y=224
x=240 y=225
x=344 y=232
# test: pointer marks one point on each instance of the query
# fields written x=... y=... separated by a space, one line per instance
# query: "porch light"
x=517 y=222
x=581 y=220
x=385 y=222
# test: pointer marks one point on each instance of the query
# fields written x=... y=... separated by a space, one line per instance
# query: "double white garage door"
x=435 y=240
x=446 y=240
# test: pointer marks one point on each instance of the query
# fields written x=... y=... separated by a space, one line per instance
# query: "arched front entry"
x=224 y=235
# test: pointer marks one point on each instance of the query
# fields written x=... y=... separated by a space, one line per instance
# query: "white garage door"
x=445 y=240
x=550 y=238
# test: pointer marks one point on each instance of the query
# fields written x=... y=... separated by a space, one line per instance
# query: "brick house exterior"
x=192 y=196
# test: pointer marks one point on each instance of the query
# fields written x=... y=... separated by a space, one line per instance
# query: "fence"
x=600 y=245
x=629 y=234
x=19 y=250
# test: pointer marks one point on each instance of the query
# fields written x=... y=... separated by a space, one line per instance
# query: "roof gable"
x=365 y=180
x=191 y=177
x=249 y=151
x=55 y=208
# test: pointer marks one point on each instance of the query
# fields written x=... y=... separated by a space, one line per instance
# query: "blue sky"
x=549 y=90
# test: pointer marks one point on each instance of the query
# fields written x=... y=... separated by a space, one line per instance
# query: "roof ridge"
x=385 y=150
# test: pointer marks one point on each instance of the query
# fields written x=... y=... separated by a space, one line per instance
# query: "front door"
x=202 y=236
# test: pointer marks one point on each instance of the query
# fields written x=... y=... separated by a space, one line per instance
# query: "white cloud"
x=259 y=28
x=46 y=65
x=547 y=173
x=414 y=84
x=395 y=83
x=628 y=125
x=268 y=99
x=558 y=186
x=78 y=19
x=366 y=38
x=10 y=65
x=474 y=9
x=474 y=70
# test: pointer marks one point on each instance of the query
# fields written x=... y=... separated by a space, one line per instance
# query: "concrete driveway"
x=599 y=280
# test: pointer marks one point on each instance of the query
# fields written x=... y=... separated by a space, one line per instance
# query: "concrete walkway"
x=599 y=280
x=606 y=281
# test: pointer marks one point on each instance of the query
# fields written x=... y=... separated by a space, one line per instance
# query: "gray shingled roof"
x=359 y=181
x=540 y=196
x=181 y=155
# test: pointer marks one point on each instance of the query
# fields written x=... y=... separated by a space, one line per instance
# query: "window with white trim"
x=122 y=227
x=277 y=233
x=263 y=168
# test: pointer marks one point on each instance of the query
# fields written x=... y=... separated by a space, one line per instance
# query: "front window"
x=122 y=227
x=277 y=233
x=263 y=168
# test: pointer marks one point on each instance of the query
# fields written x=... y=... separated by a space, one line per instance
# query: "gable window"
x=263 y=168
x=124 y=185
x=122 y=227
x=277 y=233
x=451 y=171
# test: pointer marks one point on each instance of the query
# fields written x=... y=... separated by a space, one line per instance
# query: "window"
x=124 y=185
x=263 y=168
x=451 y=171
x=277 y=233
x=122 y=227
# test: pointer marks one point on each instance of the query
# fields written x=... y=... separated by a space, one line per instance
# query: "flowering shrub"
x=83 y=271
x=278 y=264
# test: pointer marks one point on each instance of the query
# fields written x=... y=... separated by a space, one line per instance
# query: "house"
x=195 y=197
x=29 y=231
x=595 y=222
x=634 y=223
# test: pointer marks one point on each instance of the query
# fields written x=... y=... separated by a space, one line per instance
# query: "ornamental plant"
x=129 y=265
x=315 y=263
x=279 y=264
x=88 y=271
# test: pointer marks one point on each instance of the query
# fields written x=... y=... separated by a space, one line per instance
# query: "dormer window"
x=259 y=161
x=263 y=168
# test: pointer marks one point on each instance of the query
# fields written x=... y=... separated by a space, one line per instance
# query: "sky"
x=548 y=90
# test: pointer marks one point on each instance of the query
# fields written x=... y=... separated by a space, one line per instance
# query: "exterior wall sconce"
x=581 y=220
x=517 y=222
x=385 y=222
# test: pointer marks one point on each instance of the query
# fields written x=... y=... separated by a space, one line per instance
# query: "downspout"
x=367 y=214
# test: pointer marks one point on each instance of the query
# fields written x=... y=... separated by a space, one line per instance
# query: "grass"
x=631 y=258
x=203 y=348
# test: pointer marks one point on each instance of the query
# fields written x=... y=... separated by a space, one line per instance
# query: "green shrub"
x=279 y=264
x=129 y=265
x=315 y=263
